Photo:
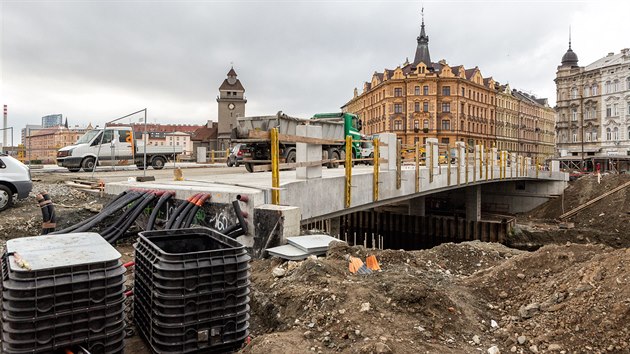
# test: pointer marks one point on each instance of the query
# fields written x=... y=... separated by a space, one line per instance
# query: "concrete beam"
x=308 y=152
x=473 y=203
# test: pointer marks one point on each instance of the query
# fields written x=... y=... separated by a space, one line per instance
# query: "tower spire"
x=422 y=51
x=569 y=36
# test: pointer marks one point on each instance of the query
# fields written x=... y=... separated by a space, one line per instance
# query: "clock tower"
x=231 y=102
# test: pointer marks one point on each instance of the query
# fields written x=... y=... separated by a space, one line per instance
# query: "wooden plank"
x=592 y=201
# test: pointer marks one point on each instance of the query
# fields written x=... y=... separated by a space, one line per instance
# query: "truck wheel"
x=88 y=164
x=249 y=167
x=6 y=197
x=229 y=162
x=158 y=163
x=291 y=157
x=334 y=154
x=74 y=169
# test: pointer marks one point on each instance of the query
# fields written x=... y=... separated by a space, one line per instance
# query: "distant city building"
x=231 y=104
x=424 y=99
x=52 y=120
x=28 y=130
x=593 y=112
x=206 y=136
x=43 y=143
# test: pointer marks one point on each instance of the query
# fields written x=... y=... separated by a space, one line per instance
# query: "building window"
x=616 y=133
x=608 y=111
x=464 y=90
x=594 y=112
x=608 y=134
x=574 y=137
x=574 y=92
x=425 y=106
x=594 y=90
x=397 y=108
x=446 y=141
x=608 y=87
x=446 y=91
x=416 y=124
x=397 y=92
x=586 y=91
x=628 y=84
x=616 y=86
x=574 y=114
x=588 y=136
x=446 y=107
x=446 y=125
x=615 y=110
x=425 y=90
x=425 y=124
x=397 y=125
x=416 y=91
x=416 y=106
x=594 y=135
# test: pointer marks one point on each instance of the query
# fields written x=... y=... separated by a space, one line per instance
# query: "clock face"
x=231 y=106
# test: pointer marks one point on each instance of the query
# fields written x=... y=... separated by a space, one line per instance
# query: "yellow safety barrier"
x=275 y=171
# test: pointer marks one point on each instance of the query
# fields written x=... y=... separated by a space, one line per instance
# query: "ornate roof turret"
x=569 y=58
x=422 y=51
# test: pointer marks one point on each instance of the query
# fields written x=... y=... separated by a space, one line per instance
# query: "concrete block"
x=432 y=153
x=555 y=166
x=274 y=223
x=388 y=152
x=202 y=154
x=480 y=161
x=460 y=147
x=308 y=152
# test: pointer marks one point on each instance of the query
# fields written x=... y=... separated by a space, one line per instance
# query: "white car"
x=15 y=180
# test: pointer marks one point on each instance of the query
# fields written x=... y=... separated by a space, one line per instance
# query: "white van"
x=15 y=179
x=114 y=146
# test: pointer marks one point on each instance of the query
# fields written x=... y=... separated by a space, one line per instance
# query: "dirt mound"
x=414 y=304
x=573 y=297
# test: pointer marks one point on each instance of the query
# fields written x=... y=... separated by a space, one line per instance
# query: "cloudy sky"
x=94 y=61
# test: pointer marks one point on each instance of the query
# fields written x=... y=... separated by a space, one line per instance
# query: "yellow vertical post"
x=459 y=163
x=227 y=153
x=417 y=156
x=376 y=168
x=466 y=160
x=448 y=166
x=398 y=164
x=430 y=157
x=275 y=167
x=348 y=184
x=211 y=156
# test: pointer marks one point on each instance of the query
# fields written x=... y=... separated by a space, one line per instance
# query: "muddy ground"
x=571 y=295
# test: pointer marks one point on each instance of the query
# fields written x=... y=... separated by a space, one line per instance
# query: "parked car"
x=236 y=156
x=15 y=179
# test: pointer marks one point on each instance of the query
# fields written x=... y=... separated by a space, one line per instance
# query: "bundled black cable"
x=156 y=210
x=191 y=215
x=49 y=219
x=135 y=211
x=177 y=212
x=238 y=229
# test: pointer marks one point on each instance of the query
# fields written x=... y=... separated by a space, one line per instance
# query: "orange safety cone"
x=372 y=263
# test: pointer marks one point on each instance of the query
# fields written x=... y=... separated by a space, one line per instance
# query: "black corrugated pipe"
x=176 y=212
x=182 y=217
x=121 y=220
x=191 y=216
x=105 y=212
x=49 y=219
x=156 y=210
x=136 y=212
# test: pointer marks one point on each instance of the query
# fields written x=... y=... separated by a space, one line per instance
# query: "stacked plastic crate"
x=191 y=291
x=61 y=292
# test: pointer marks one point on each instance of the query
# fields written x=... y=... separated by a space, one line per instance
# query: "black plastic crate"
x=181 y=268
x=200 y=302
x=45 y=305
x=58 y=272
x=192 y=243
x=179 y=287
x=111 y=342
x=217 y=337
x=73 y=326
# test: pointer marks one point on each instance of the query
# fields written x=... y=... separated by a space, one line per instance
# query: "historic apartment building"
x=593 y=111
x=423 y=99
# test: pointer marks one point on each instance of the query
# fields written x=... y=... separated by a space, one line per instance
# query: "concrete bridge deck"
x=520 y=186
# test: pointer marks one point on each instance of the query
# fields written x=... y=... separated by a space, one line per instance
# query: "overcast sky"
x=94 y=61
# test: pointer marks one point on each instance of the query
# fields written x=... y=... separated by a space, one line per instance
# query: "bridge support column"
x=389 y=152
x=335 y=226
x=417 y=206
x=308 y=152
x=473 y=203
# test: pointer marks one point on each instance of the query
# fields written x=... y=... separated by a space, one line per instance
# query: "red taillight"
x=239 y=153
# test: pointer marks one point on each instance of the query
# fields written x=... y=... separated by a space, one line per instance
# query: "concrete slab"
x=289 y=252
x=312 y=243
